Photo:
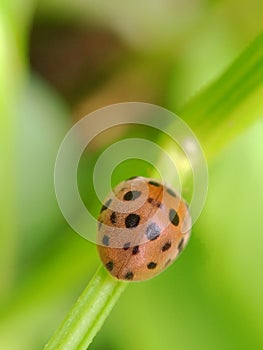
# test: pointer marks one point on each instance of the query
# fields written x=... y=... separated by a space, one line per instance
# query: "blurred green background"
x=60 y=60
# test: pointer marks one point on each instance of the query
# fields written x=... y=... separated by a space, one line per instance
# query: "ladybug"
x=143 y=226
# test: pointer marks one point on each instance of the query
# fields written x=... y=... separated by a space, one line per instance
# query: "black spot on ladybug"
x=173 y=217
x=168 y=262
x=171 y=192
x=135 y=250
x=166 y=246
x=133 y=177
x=105 y=240
x=113 y=218
x=151 y=265
x=129 y=276
x=132 y=220
x=106 y=205
x=126 y=246
x=154 y=183
x=109 y=265
x=153 y=202
x=180 y=245
x=153 y=231
x=131 y=195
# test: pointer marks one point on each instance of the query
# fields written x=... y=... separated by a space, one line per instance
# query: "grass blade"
x=88 y=314
x=231 y=103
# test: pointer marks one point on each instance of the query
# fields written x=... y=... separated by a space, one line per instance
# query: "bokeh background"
x=60 y=60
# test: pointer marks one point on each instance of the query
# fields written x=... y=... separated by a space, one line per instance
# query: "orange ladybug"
x=142 y=227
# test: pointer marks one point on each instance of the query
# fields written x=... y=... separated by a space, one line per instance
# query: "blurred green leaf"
x=11 y=73
x=43 y=122
x=227 y=106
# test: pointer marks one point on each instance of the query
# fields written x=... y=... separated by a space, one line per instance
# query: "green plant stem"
x=88 y=314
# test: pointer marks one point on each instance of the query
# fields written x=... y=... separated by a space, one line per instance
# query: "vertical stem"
x=88 y=314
